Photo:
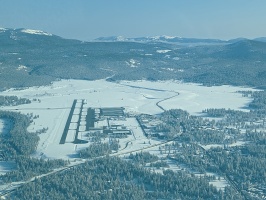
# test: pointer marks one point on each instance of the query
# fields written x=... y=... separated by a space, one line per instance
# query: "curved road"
x=158 y=90
x=157 y=104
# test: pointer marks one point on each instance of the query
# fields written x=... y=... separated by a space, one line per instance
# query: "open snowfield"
x=194 y=98
x=138 y=97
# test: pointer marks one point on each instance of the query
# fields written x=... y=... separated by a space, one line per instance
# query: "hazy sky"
x=89 y=19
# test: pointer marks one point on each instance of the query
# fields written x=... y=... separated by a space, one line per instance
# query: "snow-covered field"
x=137 y=97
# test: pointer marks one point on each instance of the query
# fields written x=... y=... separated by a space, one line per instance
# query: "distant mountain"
x=13 y=33
x=112 y=39
x=236 y=40
x=31 y=57
x=244 y=50
x=261 y=39
x=164 y=39
x=175 y=40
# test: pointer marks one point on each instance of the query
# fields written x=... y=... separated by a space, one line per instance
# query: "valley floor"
x=52 y=104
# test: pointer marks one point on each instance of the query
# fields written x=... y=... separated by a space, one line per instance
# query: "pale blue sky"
x=89 y=19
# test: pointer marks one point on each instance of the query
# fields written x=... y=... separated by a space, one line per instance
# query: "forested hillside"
x=113 y=178
x=27 y=59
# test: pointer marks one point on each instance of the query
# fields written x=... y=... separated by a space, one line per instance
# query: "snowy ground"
x=218 y=182
x=138 y=97
x=7 y=166
x=56 y=100
x=237 y=143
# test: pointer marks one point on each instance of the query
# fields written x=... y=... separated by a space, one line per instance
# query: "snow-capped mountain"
x=29 y=35
x=32 y=57
x=112 y=39
x=27 y=31
x=35 y=32
x=163 y=39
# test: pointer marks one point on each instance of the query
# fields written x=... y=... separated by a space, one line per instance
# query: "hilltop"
x=30 y=57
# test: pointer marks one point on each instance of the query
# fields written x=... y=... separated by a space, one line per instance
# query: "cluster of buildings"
x=99 y=119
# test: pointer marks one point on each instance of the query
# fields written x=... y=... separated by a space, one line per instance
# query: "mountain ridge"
x=28 y=59
x=162 y=38
x=174 y=39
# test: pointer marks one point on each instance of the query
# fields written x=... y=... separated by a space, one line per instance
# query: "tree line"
x=13 y=101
